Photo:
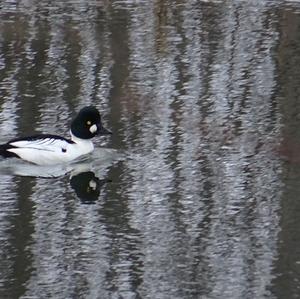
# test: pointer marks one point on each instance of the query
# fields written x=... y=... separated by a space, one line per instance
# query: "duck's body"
x=53 y=149
x=47 y=149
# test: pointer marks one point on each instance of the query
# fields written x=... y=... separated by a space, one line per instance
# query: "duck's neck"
x=86 y=145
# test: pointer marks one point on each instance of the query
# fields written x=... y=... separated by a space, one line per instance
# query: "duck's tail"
x=5 y=153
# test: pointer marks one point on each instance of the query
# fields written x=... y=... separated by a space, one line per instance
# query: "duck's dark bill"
x=104 y=131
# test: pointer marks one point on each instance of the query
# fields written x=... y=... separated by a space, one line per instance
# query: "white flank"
x=50 y=151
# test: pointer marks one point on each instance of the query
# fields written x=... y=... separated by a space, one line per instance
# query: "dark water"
x=202 y=197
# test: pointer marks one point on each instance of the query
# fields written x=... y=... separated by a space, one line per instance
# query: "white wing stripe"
x=49 y=144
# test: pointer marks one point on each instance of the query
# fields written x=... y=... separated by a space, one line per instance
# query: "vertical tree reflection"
x=190 y=90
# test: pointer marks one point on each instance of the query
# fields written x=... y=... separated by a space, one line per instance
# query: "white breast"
x=51 y=151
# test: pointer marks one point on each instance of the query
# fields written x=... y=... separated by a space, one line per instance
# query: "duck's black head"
x=87 y=124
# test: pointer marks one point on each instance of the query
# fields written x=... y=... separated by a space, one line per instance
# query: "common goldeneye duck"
x=48 y=149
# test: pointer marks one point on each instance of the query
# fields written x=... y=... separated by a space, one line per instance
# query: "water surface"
x=198 y=196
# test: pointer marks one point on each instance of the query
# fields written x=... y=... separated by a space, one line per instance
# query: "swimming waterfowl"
x=47 y=149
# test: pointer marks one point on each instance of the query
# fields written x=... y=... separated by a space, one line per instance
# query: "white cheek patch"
x=93 y=129
x=92 y=185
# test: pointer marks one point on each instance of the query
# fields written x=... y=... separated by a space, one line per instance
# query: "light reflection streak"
x=198 y=194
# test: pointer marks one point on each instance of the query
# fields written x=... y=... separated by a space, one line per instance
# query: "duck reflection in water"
x=87 y=186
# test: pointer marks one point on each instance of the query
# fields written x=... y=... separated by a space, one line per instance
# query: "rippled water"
x=196 y=193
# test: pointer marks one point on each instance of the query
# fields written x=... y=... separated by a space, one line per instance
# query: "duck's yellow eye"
x=88 y=122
